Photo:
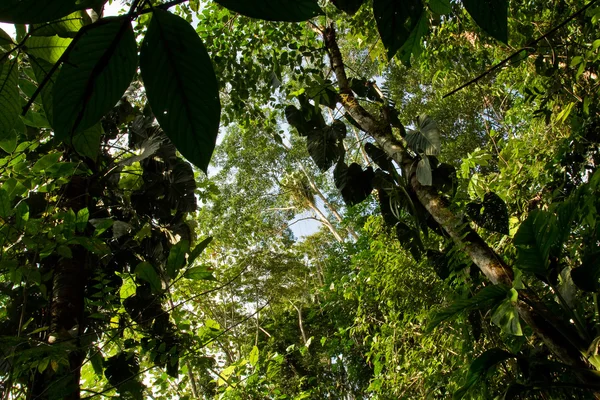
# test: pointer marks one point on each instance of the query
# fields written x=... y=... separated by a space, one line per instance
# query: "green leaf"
x=146 y=272
x=41 y=68
x=8 y=140
x=412 y=46
x=485 y=299
x=275 y=10
x=199 y=273
x=424 y=175
x=67 y=26
x=46 y=162
x=35 y=11
x=479 y=368
x=87 y=143
x=176 y=258
x=82 y=219
x=348 y=6
x=492 y=214
x=9 y=98
x=395 y=21
x=441 y=7
x=181 y=86
x=324 y=146
x=534 y=240
x=5 y=206
x=254 y=354
x=5 y=38
x=425 y=138
x=491 y=16
x=96 y=73
x=199 y=249
x=587 y=275
x=48 y=48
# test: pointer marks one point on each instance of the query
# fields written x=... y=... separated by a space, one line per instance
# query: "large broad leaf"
x=324 y=146
x=479 y=368
x=491 y=16
x=9 y=98
x=440 y=6
x=534 y=240
x=587 y=276
x=485 y=299
x=176 y=258
x=412 y=46
x=395 y=21
x=67 y=26
x=181 y=86
x=425 y=139
x=5 y=38
x=424 y=175
x=492 y=214
x=87 y=143
x=348 y=6
x=354 y=183
x=275 y=10
x=35 y=11
x=146 y=272
x=96 y=73
x=41 y=69
x=48 y=48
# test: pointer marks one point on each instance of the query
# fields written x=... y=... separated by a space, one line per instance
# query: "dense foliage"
x=447 y=149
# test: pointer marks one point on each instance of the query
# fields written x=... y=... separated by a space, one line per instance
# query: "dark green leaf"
x=425 y=138
x=87 y=143
x=485 y=299
x=423 y=172
x=479 y=368
x=410 y=238
x=5 y=207
x=295 y=118
x=348 y=6
x=5 y=38
x=354 y=184
x=181 y=86
x=395 y=21
x=412 y=46
x=491 y=16
x=176 y=258
x=46 y=162
x=146 y=272
x=96 y=73
x=41 y=68
x=199 y=273
x=492 y=214
x=199 y=249
x=444 y=178
x=534 y=239
x=275 y=10
x=324 y=146
x=9 y=98
x=35 y=11
x=440 y=6
x=587 y=275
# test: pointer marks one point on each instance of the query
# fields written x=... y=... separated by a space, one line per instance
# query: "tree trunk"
x=553 y=332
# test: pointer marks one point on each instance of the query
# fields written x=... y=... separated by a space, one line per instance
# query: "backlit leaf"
x=48 y=48
x=146 y=272
x=9 y=98
x=181 y=86
x=96 y=73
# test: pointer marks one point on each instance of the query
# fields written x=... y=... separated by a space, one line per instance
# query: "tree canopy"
x=155 y=165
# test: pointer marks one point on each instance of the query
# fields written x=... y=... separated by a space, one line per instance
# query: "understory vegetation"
x=299 y=199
